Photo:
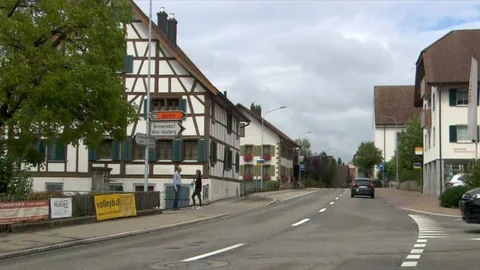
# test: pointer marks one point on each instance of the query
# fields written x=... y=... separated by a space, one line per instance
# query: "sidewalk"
x=19 y=244
x=412 y=200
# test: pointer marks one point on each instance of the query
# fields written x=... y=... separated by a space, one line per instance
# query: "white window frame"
x=467 y=136
x=463 y=93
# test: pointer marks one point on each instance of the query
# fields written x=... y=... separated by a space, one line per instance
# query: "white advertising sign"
x=60 y=207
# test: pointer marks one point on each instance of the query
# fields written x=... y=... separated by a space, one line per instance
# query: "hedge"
x=452 y=196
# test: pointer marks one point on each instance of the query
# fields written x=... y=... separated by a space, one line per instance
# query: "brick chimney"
x=256 y=109
x=162 y=18
x=172 y=29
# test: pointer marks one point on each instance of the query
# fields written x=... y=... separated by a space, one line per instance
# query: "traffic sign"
x=166 y=129
x=167 y=116
x=141 y=139
x=302 y=167
x=380 y=166
x=417 y=165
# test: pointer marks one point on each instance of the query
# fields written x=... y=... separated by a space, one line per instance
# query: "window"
x=138 y=152
x=266 y=170
x=426 y=141
x=105 y=149
x=462 y=134
x=213 y=112
x=56 y=151
x=242 y=131
x=165 y=150
x=54 y=187
x=139 y=187
x=165 y=104
x=115 y=187
x=248 y=149
x=433 y=102
x=462 y=97
x=229 y=122
x=190 y=150
x=433 y=136
x=249 y=170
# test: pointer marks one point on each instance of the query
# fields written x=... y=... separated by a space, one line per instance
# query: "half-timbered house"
x=210 y=141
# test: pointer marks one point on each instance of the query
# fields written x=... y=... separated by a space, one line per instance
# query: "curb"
x=97 y=239
x=429 y=213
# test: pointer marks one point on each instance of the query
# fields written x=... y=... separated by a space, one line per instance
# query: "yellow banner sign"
x=109 y=206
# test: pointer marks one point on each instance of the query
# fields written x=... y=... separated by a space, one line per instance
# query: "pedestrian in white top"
x=177 y=182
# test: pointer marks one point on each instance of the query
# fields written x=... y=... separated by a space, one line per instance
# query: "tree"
x=60 y=64
x=472 y=178
x=410 y=138
x=367 y=156
x=305 y=145
x=339 y=162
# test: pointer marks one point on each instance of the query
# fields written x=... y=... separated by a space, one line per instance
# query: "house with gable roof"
x=210 y=141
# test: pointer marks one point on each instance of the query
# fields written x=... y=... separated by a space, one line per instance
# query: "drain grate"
x=188 y=265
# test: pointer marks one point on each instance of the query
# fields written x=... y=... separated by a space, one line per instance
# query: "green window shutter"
x=127 y=150
x=92 y=154
x=41 y=148
x=453 y=133
x=257 y=170
x=237 y=162
x=213 y=112
x=60 y=150
x=145 y=109
x=177 y=150
x=230 y=159
x=242 y=150
x=215 y=152
x=225 y=149
x=128 y=64
x=212 y=151
x=242 y=170
x=453 y=97
x=182 y=106
x=152 y=154
x=272 y=171
x=201 y=151
x=115 y=150
x=257 y=150
x=242 y=132
x=272 y=150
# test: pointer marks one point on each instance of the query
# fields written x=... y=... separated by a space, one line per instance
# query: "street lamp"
x=283 y=107
x=396 y=143
x=145 y=177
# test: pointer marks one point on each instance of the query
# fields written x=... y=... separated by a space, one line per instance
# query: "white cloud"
x=319 y=58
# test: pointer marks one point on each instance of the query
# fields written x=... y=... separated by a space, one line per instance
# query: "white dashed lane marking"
x=300 y=222
x=322 y=210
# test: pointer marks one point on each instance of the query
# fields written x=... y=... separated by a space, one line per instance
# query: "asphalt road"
x=307 y=232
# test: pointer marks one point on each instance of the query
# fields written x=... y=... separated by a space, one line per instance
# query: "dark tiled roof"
x=269 y=125
x=448 y=59
x=394 y=101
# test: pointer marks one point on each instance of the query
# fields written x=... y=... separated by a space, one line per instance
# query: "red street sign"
x=168 y=115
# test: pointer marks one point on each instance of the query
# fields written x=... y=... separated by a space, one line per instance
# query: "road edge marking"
x=429 y=213
x=301 y=195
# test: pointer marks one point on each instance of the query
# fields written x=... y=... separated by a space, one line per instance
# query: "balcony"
x=426 y=118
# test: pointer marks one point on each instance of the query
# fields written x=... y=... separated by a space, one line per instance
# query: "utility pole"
x=145 y=178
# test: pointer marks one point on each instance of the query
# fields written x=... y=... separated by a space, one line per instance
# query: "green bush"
x=410 y=175
x=452 y=196
x=273 y=185
x=314 y=184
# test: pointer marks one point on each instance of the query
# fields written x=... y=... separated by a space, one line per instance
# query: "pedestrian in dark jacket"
x=198 y=189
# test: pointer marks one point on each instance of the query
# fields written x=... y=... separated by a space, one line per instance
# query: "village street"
x=324 y=229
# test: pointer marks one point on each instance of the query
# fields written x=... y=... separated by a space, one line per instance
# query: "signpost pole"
x=145 y=179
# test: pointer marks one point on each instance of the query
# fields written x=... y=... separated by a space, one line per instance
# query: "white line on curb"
x=322 y=210
x=332 y=202
x=213 y=253
x=300 y=222
x=428 y=213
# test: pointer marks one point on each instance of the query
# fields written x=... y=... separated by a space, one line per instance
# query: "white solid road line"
x=213 y=253
x=305 y=194
x=322 y=210
x=409 y=264
x=300 y=222
x=332 y=202
x=413 y=257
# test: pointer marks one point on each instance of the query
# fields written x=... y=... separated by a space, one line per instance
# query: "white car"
x=455 y=181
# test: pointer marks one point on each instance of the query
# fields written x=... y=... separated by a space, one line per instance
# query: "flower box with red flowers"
x=248 y=157
x=285 y=179
x=247 y=177
x=267 y=157
x=266 y=177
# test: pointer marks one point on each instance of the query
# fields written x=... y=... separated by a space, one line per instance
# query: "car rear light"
x=371 y=185
x=449 y=184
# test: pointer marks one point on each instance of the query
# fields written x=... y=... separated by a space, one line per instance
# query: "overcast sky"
x=321 y=59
